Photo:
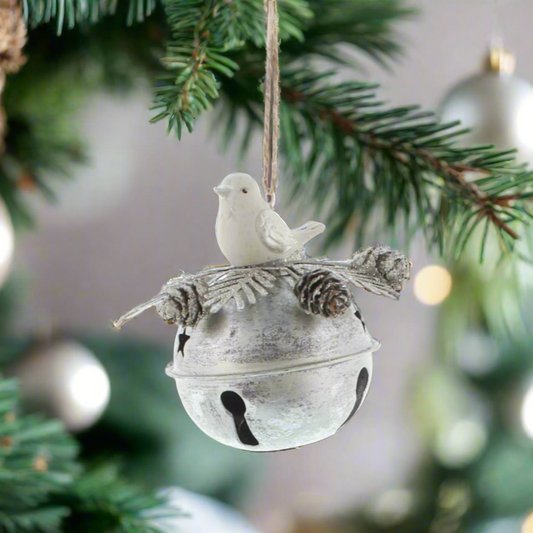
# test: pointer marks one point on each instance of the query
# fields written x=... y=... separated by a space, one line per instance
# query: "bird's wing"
x=273 y=232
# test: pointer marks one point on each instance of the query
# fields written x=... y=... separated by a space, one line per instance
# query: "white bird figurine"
x=248 y=231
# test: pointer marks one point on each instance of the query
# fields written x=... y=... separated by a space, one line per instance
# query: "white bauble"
x=202 y=515
x=65 y=380
x=498 y=108
x=7 y=242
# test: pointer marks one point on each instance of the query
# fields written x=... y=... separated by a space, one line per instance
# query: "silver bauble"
x=517 y=406
x=498 y=107
x=271 y=377
x=65 y=380
x=7 y=242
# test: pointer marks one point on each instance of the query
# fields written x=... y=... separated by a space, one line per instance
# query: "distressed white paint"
x=296 y=373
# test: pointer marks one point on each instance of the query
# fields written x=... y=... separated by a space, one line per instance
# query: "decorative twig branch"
x=186 y=299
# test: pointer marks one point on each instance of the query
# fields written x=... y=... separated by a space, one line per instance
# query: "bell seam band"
x=264 y=373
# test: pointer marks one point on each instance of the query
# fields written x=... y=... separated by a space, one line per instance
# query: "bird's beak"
x=223 y=192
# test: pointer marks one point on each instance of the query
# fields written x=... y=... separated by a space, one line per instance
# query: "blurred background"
x=446 y=431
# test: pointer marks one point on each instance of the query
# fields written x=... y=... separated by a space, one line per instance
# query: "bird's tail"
x=308 y=231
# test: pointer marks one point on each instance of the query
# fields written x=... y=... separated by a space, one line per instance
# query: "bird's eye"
x=245 y=191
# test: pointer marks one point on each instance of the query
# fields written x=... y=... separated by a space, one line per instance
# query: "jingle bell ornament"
x=272 y=353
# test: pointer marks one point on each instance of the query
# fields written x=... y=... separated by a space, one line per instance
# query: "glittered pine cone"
x=383 y=264
x=183 y=302
x=394 y=267
x=322 y=293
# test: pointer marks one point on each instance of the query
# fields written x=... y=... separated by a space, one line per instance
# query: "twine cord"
x=272 y=98
x=497 y=26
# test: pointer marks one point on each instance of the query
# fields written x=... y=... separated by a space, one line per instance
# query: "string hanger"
x=272 y=99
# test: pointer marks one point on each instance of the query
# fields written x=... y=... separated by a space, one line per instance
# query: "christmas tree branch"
x=43 y=488
x=203 y=32
x=366 y=25
x=38 y=458
x=67 y=14
x=101 y=501
x=398 y=159
x=43 y=143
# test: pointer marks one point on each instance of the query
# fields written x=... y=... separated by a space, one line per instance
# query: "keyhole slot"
x=236 y=407
x=362 y=383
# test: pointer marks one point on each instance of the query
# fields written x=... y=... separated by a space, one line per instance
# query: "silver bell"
x=271 y=377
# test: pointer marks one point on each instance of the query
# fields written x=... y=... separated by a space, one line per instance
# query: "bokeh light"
x=477 y=353
x=527 y=526
x=458 y=445
x=90 y=387
x=433 y=285
x=392 y=507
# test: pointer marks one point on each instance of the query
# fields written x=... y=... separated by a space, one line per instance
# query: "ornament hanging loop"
x=272 y=100
x=500 y=60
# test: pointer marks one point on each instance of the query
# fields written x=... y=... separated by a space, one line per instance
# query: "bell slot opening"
x=236 y=407
x=362 y=383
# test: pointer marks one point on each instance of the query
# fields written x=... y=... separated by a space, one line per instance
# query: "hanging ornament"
x=65 y=380
x=204 y=515
x=7 y=242
x=272 y=352
x=12 y=41
x=496 y=105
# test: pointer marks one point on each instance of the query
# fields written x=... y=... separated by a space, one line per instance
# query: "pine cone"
x=183 y=304
x=12 y=37
x=383 y=264
x=321 y=293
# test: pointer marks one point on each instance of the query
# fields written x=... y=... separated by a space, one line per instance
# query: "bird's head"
x=239 y=189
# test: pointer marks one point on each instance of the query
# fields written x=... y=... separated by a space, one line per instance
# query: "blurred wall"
x=146 y=208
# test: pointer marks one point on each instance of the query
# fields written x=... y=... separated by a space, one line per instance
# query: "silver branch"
x=186 y=299
x=230 y=284
x=377 y=269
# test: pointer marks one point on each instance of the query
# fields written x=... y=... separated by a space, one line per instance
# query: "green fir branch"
x=399 y=161
x=67 y=14
x=102 y=501
x=45 y=520
x=38 y=458
x=44 y=489
x=43 y=143
x=366 y=26
x=203 y=32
